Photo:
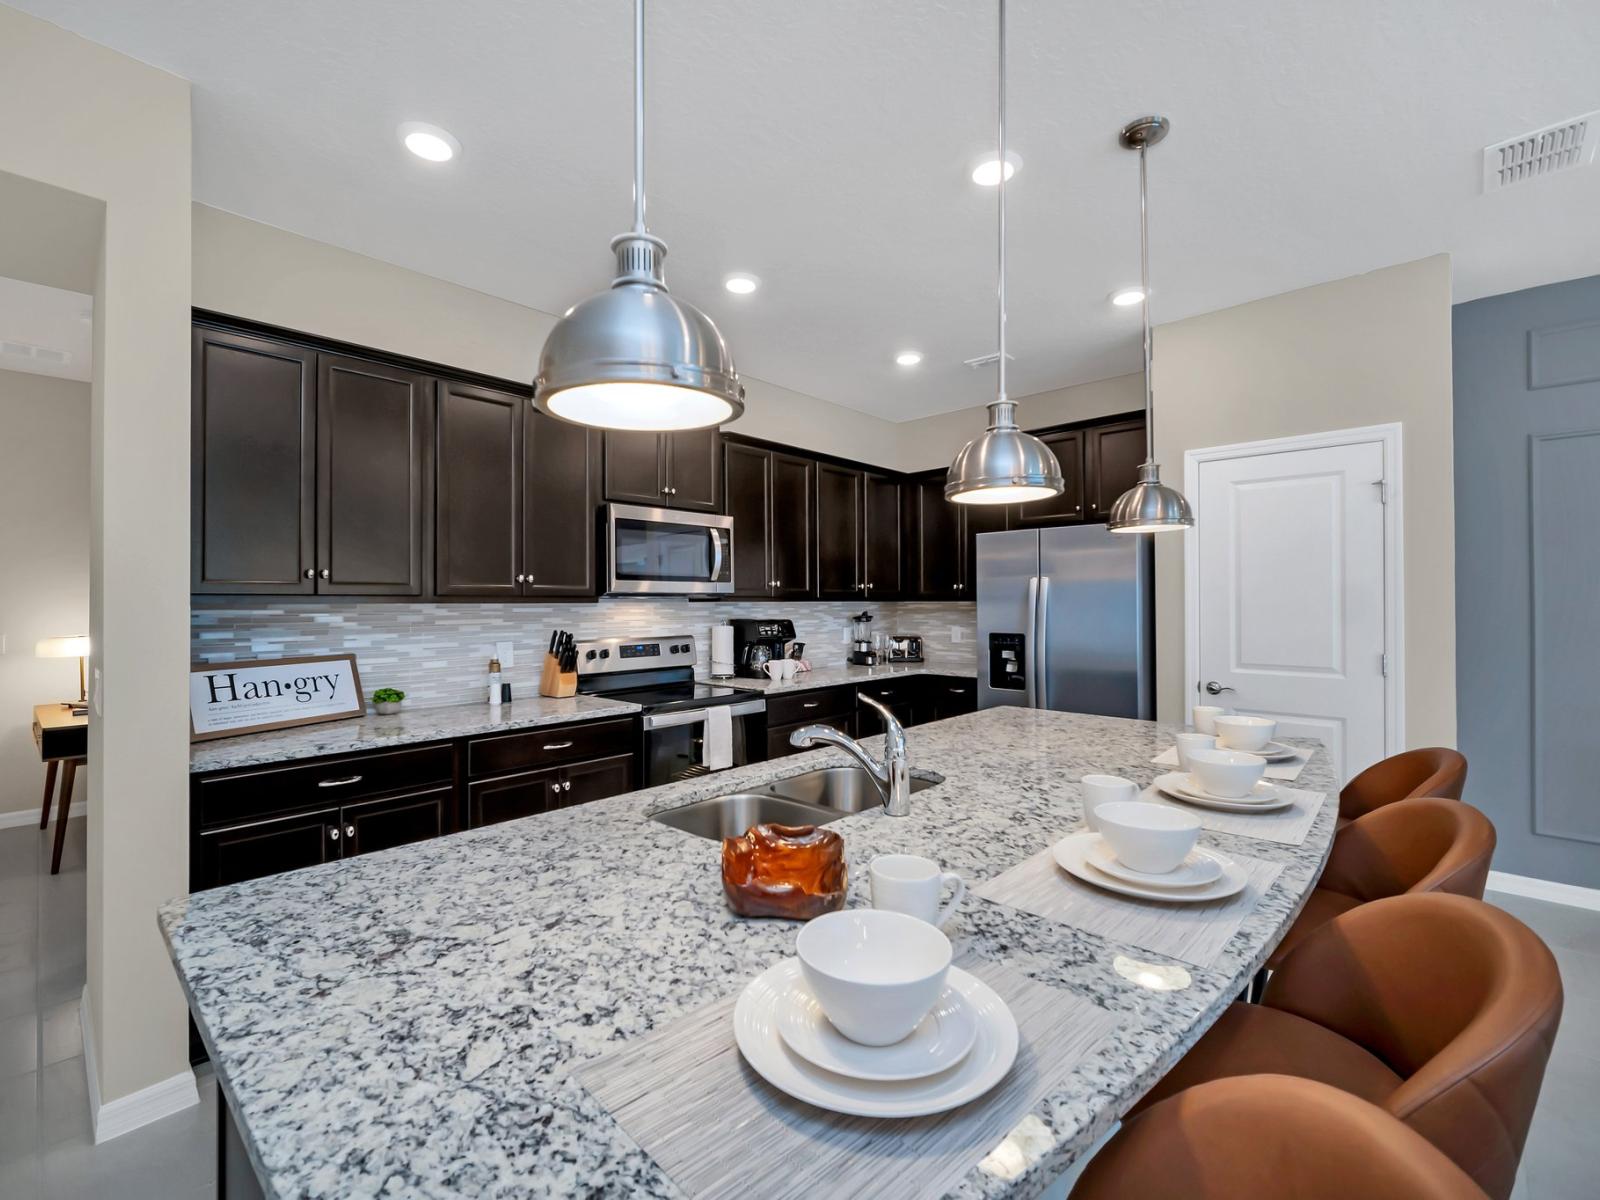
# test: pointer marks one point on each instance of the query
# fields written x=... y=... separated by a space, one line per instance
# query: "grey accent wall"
x=1527 y=448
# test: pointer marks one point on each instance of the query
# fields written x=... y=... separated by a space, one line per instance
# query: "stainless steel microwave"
x=663 y=552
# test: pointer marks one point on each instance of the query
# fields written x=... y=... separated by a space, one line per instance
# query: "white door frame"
x=1394 y=690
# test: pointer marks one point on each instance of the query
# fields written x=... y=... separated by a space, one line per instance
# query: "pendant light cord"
x=1000 y=395
x=1144 y=309
x=638 y=116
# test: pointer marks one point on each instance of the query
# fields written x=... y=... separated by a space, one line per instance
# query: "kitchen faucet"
x=892 y=777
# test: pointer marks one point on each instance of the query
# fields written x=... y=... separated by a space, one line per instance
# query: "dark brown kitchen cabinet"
x=528 y=793
x=477 y=509
x=252 y=466
x=560 y=496
x=372 y=464
x=935 y=530
x=948 y=696
x=1066 y=508
x=881 y=559
x=395 y=821
x=768 y=495
x=259 y=848
x=859 y=523
x=903 y=698
x=1112 y=454
x=779 y=745
x=664 y=470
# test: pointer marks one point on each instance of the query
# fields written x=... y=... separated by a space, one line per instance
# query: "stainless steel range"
x=690 y=727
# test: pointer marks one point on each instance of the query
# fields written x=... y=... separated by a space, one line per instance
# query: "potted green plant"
x=387 y=700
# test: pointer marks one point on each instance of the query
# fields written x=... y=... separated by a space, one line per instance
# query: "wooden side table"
x=63 y=741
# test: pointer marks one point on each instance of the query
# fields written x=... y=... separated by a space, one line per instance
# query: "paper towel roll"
x=722 y=649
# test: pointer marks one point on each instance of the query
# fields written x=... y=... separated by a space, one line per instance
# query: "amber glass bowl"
x=794 y=871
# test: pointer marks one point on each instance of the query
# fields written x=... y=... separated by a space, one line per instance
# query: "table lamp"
x=68 y=647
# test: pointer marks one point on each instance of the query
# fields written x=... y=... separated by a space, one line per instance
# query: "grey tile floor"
x=47 y=1150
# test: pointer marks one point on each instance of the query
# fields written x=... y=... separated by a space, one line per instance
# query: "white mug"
x=780 y=668
x=1193 y=741
x=911 y=884
x=1204 y=716
x=1103 y=789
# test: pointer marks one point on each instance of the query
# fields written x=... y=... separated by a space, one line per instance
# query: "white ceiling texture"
x=825 y=146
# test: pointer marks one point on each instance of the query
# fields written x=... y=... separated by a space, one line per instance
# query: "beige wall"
x=117 y=131
x=44 y=544
x=1367 y=350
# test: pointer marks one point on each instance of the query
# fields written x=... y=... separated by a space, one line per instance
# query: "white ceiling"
x=46 y=330
x=825 y=147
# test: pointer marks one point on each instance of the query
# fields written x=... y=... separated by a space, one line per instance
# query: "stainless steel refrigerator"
x=1066 y=620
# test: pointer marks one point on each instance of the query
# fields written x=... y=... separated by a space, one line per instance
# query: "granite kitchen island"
x=410 y=1023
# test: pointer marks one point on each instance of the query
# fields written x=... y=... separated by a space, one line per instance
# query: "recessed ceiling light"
x=429 y=141
x=908 y=358
x=987 y=172
x=741 y=284
x=1127 y=297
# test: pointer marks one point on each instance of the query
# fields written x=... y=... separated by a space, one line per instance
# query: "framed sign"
x=227 y=699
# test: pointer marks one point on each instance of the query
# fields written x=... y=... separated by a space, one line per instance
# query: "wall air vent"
x=1559 y=147
x=40 y=354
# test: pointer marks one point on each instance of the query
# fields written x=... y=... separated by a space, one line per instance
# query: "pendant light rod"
x=1144 y=306
x=638 y=116
x=1000 y=393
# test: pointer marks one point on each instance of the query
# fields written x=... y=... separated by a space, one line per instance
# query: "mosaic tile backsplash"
x=439 y=654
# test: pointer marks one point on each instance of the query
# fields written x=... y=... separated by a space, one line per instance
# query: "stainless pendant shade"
x=637 y=357
x=1003 y=465
x=1149 y=506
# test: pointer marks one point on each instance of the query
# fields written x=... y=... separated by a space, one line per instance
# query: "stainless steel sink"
x=841 y=789
x=731 y=816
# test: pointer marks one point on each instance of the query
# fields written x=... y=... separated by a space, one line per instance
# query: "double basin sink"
x=814 y=798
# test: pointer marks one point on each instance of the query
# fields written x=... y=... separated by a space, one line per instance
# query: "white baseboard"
x=127 y=1113
x=1570 y=894
x=30 y=816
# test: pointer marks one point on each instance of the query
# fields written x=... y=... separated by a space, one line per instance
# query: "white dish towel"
x=717 y=746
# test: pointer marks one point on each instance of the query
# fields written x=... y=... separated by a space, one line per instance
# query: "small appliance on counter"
x=904 y=648
x=862 y=653
x=756 y=643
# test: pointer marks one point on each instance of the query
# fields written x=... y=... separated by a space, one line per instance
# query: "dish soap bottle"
x=494 y=683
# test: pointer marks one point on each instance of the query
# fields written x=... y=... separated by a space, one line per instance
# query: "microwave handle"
x=716 y=553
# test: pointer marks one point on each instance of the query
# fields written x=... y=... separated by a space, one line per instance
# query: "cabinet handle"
x=350 y=831
x=559 y=746
x=342 y=782
x=522 y=578
x=566 y=785
x=311 y=572
x=333 y=832
x=778 y=583
x=957 y=691
x=812 y=704
x=326 y=573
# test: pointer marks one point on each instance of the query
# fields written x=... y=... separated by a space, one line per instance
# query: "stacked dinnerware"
x=1151 y=852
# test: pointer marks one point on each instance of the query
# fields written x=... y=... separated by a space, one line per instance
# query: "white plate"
x=1177 y=785
x=938 y=1044
x=755 y=1028
x=1200 y=867
x=1272 y=751
x=1072 y=855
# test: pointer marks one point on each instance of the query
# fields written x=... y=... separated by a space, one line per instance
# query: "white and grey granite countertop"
x=407 y=1023
x=373 y=732
x=823 y=677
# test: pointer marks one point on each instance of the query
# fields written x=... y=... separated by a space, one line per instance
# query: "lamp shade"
x=75 y=646
x=1003 y=466
x=1149 y=506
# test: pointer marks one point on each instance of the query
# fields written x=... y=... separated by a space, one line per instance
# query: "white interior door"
x=1290 y=557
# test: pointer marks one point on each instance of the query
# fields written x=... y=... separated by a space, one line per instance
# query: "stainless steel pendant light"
x=1148 y=506
x=636 y=357
x=1003 y=465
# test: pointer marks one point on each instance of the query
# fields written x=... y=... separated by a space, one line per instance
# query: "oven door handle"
x=697 y=716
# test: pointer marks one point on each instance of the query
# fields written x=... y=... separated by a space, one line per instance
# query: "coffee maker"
x=756 y=643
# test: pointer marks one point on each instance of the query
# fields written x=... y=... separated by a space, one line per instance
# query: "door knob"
x=1216 y=689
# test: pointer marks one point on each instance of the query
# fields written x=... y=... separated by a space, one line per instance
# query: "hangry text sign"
x=226 y=699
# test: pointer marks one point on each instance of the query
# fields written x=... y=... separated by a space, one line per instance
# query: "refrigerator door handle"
x=1040 y=659
x=1032 y=638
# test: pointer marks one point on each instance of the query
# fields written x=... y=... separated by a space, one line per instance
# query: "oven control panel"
x=635 y=654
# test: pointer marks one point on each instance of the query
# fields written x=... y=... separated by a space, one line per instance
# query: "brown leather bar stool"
x=1270 y=1136
x=1426 y=844
x=1431 y=771
x=1439 y=1009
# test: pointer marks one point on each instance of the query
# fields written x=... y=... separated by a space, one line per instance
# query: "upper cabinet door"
x=938 y=541
x=1066 y=508
x=1112 y=455
x=560 y=495
x=636 y=467
x=372 y=450
x=793 y=488
x=881 y=545
x=976 y=519
x=694 y=463
x=838 y=533
x=478 y=518
x=748 y=475
x=252 y=466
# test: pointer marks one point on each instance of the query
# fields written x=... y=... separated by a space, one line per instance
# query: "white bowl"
x=1153 y=838
x=1193 y=741
x=1104 y=789
x=1204 y=717
x=1244 y=733
x=876 y=973
x=1228 y=773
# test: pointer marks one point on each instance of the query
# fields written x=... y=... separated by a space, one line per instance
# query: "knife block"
x=555 y=682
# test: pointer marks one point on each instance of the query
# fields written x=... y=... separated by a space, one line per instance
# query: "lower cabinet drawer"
x=242 y=795
x=814 y=705
x=779 y=746
x=548 y=746
x=396 y=821
x=259 y=848
x=949 y=696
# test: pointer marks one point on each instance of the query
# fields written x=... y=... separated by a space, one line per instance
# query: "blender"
x=861 y=652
